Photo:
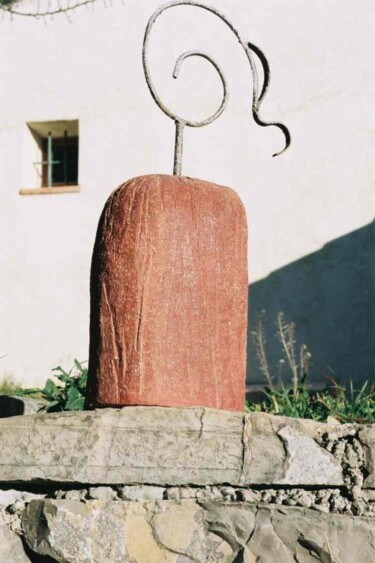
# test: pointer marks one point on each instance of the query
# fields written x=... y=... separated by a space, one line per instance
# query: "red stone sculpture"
x=169 y=296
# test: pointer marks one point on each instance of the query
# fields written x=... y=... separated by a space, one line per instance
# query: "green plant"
x=349 y=405
x=68 y=395
x=298 y=400
x=71 y=395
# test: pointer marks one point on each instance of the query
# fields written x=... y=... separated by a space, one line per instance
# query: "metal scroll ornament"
x=258 y=94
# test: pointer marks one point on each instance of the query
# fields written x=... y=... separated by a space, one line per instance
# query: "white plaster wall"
x=89 y=68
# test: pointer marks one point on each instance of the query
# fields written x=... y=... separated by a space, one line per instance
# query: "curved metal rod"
x=266 y=82
x=224 y=101
x=249 y=49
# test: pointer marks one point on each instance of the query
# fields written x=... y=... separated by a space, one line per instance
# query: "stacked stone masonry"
x=149 y=484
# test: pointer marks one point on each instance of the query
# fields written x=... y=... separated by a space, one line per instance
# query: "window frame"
x=34 y=160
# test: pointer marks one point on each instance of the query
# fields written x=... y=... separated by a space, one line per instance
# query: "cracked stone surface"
x=149 y=484
x=184 y=446
x=192 y=531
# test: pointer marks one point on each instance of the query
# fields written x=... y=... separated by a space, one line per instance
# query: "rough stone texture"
x=144 y=492
x=150 y=484
x=154 y=445
x=11 y=547
x=9 y=497
x=169 y=296
x=190 y=531
x=328 y=499
x=367 y=437
x=279 y=450
x=189 y=446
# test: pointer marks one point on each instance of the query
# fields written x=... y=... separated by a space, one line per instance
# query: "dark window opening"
x=60 y=161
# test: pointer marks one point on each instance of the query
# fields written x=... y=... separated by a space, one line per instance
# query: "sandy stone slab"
x=182 y=447
x=133 y=445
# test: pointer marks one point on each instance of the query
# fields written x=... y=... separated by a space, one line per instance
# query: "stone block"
x=152 y=445
x=288 y=451
x=181 y=447
x=169 y=296
x=193 y=531
x=141 y=492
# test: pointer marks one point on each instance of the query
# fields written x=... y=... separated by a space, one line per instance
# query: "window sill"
x=45 y=191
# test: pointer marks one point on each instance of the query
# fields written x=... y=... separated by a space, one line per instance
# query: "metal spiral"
x=249 y=48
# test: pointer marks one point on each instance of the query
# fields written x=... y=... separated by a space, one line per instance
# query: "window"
x=51 y=157
x=60 y=161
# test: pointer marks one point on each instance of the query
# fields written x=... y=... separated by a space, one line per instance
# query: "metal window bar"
x=49 y=162
x=65 y=157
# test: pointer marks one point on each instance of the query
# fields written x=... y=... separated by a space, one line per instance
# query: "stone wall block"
x=183 y=447
x=287 y=451
x=191 y=531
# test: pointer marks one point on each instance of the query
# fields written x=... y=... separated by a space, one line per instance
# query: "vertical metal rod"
x=49 y=159
x=178 y=147
x=65 y=157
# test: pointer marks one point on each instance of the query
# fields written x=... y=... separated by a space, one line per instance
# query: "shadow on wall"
x=11 y=406
x=330 y=295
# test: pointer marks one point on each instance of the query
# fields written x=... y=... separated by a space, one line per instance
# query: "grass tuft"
x=297 y=400
x=336 y=402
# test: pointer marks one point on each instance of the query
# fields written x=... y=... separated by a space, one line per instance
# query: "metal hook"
x=249 y=49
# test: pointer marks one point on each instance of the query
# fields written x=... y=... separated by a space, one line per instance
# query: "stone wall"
x=148 y=484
